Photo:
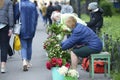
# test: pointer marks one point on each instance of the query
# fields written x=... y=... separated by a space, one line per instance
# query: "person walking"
x=50 y=9
x=67 y=8
x=44 y=11
x=57 y=6
x=28 y=19
x=6 y=24
x=96 y=18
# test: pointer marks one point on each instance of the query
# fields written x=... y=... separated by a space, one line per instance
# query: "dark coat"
x=82 y=35
x=96 y=20
x=50 y=9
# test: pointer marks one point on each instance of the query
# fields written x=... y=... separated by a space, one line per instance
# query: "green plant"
x=107 y=7
x=55 y=28
x=116 y=76
x=52 y=44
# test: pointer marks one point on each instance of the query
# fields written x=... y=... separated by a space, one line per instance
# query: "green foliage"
x=107 y=7
x=55 y=28
x=52 y=44
x=116 y=76
x=111 y=26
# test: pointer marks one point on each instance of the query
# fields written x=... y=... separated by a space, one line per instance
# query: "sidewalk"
x=38 y=70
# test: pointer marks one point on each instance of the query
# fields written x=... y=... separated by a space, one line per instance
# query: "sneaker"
x=29 y=65
x=25 y=68
x=3 y=70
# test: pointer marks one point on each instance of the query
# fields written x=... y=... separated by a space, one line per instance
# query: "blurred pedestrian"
x=28 y=19
x=50 y=9
x=67 y=8
x=6 y=24
x=44 y=11
x=96 y=18
x=57 y=6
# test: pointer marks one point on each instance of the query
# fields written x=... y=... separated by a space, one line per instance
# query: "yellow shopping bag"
x=16 y=43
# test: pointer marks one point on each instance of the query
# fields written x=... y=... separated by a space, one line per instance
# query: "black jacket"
x=96 y=20
x=50 y=9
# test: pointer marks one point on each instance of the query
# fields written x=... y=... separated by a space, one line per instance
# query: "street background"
x=39 y=58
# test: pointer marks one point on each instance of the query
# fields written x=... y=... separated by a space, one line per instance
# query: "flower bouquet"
x=69 y=74
x=56 y=62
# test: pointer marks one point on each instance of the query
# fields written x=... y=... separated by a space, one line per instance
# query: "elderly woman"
x=83 y=41
x=60 y=18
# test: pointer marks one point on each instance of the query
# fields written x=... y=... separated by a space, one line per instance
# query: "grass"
x=111 y=25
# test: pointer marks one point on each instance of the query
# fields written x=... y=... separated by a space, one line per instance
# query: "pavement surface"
x=39 y=58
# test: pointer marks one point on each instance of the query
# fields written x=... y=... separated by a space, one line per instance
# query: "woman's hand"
x=10 y=32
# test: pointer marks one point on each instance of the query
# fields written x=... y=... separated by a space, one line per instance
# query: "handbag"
x=16 y=43
x=16 y=29
x=17 y=26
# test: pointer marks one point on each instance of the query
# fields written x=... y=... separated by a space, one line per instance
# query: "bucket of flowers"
x=56 y=56
x=54 y=64
x=69 y=74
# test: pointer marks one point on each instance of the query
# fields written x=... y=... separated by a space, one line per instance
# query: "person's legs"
x=23 y=49
x=74 y=60
x=29 y=52
x=50 y=21
x=24 y=53
x=83 y=52
x=29 y=49
x=4 y=47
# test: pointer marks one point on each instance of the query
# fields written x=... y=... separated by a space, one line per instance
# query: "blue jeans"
x=26 y=48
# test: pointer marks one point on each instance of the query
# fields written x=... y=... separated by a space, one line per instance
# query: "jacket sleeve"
x=71 y=41
x=93 y=21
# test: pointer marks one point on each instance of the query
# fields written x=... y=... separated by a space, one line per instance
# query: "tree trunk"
x=73 y=4
x=76 y=6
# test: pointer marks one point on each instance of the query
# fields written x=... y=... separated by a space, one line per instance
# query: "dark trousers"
x=4 y=43
x=50 y=21
x=45 y=19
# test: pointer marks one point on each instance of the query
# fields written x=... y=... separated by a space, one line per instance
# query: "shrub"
x=107 y=7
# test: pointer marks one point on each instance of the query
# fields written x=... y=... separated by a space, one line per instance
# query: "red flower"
x=48 y=65
x=54 y=61
x=44 y=46
x=59 y=62
x=67 y=65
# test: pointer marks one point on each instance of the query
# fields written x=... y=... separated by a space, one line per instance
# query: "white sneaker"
x=29 y=65
x=25 y=68
x=3 y=69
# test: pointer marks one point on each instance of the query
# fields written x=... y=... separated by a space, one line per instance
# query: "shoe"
x=29 y=65
x=3 y=70
x=25 y=68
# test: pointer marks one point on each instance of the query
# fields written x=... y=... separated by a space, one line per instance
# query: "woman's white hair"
x=55 y=15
